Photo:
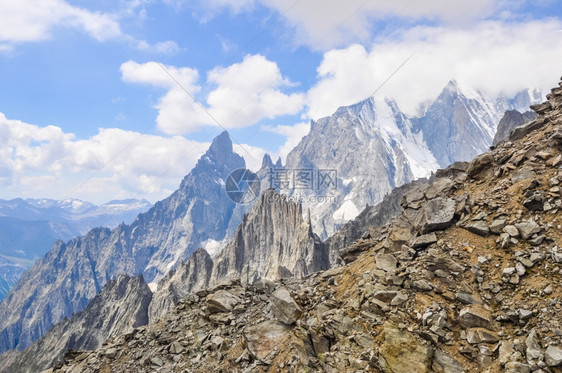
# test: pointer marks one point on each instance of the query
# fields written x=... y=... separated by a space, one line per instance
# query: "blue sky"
x=89 y=110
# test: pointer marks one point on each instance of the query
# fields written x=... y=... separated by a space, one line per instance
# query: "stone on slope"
x=527 y=228
x=553 y=356
x=475 y=316
x=262 y=339
x=386 y=262
x=221 y=301
x=438 y=214
x=284 y=307
x=443 y=363
x=401 y=351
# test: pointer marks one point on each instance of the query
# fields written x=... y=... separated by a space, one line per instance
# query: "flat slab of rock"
x=262 y=339
x=475 y=316
x=553 y=356
x=443 y=363
x=438 y=214
x=481 y=335
x=424 y=240
x=221 y=301
x=528 y=228
x=479 y=227
x=284 y=307
x=386 y=262
x=401 y=351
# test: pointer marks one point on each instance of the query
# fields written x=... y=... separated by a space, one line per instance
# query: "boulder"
x=475 y=316
x=528 y=228
x=401 y=351
x=443 y=363
x=262 y=339
x=481 y=335
x=479 y=227
x=438 y=214
x=284 y=307
x=533 y=350
x=553 y=356
x=221 y=301
x=424 y=241
x=386 y=262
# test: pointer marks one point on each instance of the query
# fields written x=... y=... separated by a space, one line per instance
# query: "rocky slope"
x=272 y=242
x=121 y=306
x=464 y=280
x=72 y=273
x=456 y=126
x=10 y=273
x=511 y=120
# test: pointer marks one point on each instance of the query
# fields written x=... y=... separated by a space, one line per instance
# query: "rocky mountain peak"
x=272 y=242
x=267 y=162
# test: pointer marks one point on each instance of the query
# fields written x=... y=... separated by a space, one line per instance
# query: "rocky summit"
x=465 y=279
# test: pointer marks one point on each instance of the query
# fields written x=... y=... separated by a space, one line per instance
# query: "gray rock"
x=262 y=339
x=497 y=226
x=284 y=307
x=386 y=262
x=475 y=316
x=528 y=228
x=424 y=240
x=438 y=214
x=221 y=301
x=511 y=230
x=533 y=350
x=481 y=335
x=553 y=356
x=511 y=120
x=517 y=367
x=443 y=363
x=465 y=298
x=479 y=227
x=421 y=285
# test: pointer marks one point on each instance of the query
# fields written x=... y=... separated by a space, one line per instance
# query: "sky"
x=112 y=99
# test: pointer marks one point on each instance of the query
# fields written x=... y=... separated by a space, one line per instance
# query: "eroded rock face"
x=121 y=306
x=273 y=242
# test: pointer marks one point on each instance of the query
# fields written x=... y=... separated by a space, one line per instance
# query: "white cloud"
x=293 y=133
x=322 y=24
x=253 y=155
x=494 y=57
x=250 y=91
x=32 y=21
x=47 y=162
x=244 y=93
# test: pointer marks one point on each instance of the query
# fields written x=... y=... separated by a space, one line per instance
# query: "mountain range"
x=456 y=126
x=28 y=228
x=262 y=242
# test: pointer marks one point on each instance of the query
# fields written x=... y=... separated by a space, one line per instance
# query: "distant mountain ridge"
x=72 y=273
x=29 y=227
x=456 y=126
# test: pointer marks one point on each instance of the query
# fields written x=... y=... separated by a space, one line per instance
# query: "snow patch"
x=347 y=211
